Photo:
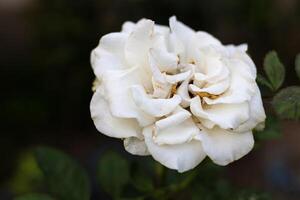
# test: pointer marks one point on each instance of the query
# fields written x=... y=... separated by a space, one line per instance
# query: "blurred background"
x=46 y=78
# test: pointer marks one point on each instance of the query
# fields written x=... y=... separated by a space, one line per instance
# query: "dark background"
x=46 y=78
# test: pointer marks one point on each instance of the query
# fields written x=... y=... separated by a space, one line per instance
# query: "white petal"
x=153 y=107
x=128 y=27
x=156 y=73
x=114 y=43
x=181 y=157
x=227 y=116
x=180 y=38
x=205 y=39
x=137 y=47
x=178 y=77
x=165 y=61
x=183 y=92
x=242 y=84
x=177 y=117
x=139 y=43
x=109 y=125
x=211 y=65
x=117 y=86
x=177 y=128
x=214 y=88
x=161 y=90
x=109 y=54
x=239 y=52
x=215 y=69
x=257 y=113
x=224 y=147
x=103 y=61
x=136 y=146
x=182 y=32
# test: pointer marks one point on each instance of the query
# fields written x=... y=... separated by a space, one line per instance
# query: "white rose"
x=176 y=94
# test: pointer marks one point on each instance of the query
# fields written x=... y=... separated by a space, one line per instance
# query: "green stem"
x=183 y=184
x=160 y=173
x=167 y=192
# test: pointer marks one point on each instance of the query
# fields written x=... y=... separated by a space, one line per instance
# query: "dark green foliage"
x=274 y=70
x=263 y=81
x=113 y=173
x=287 y=103
x=34 y=197
x=272 y=129
x=297 y=65
x=66 y=180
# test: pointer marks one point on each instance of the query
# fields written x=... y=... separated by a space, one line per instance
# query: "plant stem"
x=160 y=172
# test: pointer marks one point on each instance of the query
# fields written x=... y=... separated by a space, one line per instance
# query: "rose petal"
x=178 y=77
x=182 y=32
x=224 y=147
x=117 y=86
x=214 y=88
x=203 y=39
x=153 y=107
x=128 y=27
x=181 y=157
x=177 y=128
x=164 y=60
x=183 y=92
x=139 y=42
x=109 y=125
x=157 y=75
x=180 y=38
x=161 y=90
x=109 y=54
x=227 y=116
x=136 y=146
x=242 y=85
x=257 y=113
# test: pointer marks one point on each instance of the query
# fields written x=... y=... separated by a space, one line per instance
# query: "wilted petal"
x=224 y=147
x=109 y=125
x=136 y=146
x=181 y=157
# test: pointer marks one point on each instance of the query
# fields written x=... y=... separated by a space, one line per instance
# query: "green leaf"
x=274 y=69
x=27 y=175
x=66 y=180
x=297 y=65
x=250 y=194
x=272 y=129
x=287 y=103
x=34 y=196
x=142 y=181
x=263 y=81
x=113 y=173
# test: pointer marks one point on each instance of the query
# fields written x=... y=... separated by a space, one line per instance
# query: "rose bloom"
x=175 y=94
